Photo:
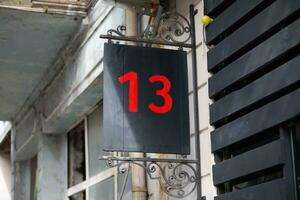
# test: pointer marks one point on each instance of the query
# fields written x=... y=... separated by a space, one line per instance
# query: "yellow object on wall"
x=206 y=20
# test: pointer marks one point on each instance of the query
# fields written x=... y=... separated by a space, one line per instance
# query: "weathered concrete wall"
x=52 y=167
x=22 y=180
x=207 y=158
x=26 y=136
x=77 y=88
x=74 y=91
x=26 y=3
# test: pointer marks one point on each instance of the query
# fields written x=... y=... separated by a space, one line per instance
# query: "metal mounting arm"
x=178 y=177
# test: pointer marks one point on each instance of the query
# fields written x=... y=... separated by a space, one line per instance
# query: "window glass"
x=95 y=136
x=103 y=190
x=79 y=196
x=76 y=156
x=124 y=183
x=33 y=178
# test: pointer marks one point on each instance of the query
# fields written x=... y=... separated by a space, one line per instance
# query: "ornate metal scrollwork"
x=119 y=31
x=177 y=178
x=172 y=29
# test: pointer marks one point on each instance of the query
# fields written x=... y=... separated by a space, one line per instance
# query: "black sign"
x=145 y=100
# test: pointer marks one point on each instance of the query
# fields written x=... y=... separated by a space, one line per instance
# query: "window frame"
x=92 y=180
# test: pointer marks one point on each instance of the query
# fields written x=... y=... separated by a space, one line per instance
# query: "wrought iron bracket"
x=177 y=177
x=171 y=29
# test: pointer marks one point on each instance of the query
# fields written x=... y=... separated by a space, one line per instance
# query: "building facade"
x=51 y=72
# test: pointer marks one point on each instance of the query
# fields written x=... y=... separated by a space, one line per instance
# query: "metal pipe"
x=193 y=12
x=148 y=159
x=153 y=41
x=155 y=23
x=124 y=185
x=139 y=185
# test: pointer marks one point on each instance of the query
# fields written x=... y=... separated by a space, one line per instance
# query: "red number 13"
x=132 y=77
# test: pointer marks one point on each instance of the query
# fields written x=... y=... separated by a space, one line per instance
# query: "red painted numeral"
x=164 y=93
x=132 y=77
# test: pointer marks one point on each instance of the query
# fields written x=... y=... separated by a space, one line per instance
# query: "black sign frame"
x=162 y=128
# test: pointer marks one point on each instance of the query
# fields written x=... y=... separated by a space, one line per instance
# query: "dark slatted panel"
x=255 y=88
x=258 y=159
x=259 y=58
x=276 y=112
x=270 y=84
x=267 y=191
x=251 y=31
x=235 y=14
x=213 y=7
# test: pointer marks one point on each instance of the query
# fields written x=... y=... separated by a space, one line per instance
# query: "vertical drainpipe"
x=139 y=186
x=193 y=12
